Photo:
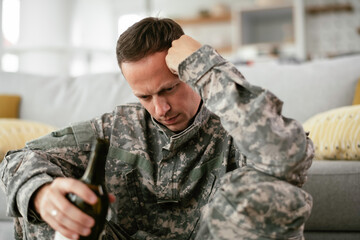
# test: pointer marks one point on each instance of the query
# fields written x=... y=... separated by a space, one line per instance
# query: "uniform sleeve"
x=272 y=143
x=62 y=153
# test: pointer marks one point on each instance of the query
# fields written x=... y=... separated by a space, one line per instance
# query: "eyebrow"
x=161 y=89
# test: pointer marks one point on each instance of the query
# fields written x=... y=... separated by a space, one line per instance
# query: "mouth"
x=170 y=121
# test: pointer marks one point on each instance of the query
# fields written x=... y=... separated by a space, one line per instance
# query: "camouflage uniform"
x=163 y=181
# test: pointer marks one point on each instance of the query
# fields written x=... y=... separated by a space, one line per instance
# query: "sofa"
x=307 y=89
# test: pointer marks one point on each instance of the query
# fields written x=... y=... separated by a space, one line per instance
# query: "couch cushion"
x=336 y=133
x=9 y=106
x=61 y=100
x=334 y=186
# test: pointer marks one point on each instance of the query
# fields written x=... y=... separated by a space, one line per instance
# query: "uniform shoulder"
x=129 y=107
x=130 y=110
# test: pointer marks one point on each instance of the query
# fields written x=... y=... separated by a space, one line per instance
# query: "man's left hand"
x=179 y=51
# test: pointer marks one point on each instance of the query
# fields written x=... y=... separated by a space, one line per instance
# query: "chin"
x=177 y=128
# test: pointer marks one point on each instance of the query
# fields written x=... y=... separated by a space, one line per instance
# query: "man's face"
x=170 y=101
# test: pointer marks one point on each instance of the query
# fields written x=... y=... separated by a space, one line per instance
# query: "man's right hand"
x=55 y=209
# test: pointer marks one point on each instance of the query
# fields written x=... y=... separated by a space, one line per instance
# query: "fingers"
x=186 y=43
x=56 y=225
x=67 y=211
x=70 y=185
x=66 y=226
x=179 y=51
x=112 y=198
x=59 y=213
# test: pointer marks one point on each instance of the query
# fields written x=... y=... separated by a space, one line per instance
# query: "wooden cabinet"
x=272 y=25
x=265 y=28
x=268 y=30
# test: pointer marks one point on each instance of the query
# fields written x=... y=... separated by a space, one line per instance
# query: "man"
x=199 y=121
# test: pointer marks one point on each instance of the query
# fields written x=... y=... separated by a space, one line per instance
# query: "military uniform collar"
x=177 y=139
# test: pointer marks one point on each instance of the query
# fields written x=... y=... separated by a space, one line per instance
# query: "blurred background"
x=75 y=37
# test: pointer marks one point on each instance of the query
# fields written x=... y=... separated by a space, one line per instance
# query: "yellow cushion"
x=9 y=106
x=357 y=94
x=14 y=133
x=336 y=133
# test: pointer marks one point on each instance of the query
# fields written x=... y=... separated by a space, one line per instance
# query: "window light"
x=11 y=21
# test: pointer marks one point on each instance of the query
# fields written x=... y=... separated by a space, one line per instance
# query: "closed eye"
x=144 y=97
x=169 y=89
x=161 y=92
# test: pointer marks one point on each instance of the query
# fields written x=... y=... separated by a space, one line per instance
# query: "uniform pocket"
x=133 y=188
x=124 y=173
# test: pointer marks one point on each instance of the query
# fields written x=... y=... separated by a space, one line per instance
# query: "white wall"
x=1 y=37
x=93 y=37
x=79 y=36
x=44 y=36
x=61 y=37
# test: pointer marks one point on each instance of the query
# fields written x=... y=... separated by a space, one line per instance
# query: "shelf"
x=329 y=8
x=204 y=20
x=265 y=8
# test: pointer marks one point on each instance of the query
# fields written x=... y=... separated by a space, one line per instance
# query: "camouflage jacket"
x=163 y=180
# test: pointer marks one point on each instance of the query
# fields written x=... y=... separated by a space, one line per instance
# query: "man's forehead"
x=152 y=64
x=148 y=57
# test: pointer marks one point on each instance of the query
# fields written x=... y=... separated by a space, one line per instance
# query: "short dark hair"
x=148 y=36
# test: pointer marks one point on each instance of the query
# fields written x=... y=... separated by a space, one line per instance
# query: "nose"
x=161 y=106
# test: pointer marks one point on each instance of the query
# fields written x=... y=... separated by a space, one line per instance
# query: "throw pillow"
x=9 y=106
x=357 y=94
x=14 y=133
x=336 y=133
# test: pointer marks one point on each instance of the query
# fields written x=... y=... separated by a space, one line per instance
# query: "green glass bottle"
x=94 y=178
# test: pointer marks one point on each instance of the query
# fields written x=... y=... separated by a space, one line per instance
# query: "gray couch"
x=306 y=89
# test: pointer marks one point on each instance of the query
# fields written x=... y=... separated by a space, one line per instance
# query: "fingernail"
x=93 y=199
x=86 y=231
x=91 y=222
x=75 y=236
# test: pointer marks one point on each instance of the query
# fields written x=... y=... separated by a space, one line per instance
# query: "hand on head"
x=54 y=208
x=179 y=51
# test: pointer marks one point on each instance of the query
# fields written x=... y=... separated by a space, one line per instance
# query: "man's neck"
x=190 y=122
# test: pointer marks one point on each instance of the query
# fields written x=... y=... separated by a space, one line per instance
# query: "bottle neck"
x=95 y=171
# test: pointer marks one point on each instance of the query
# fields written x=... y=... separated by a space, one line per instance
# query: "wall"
x=93 y=37
x=79 y=36
x=44 y=36
x=1 y=38
x=62 y=37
